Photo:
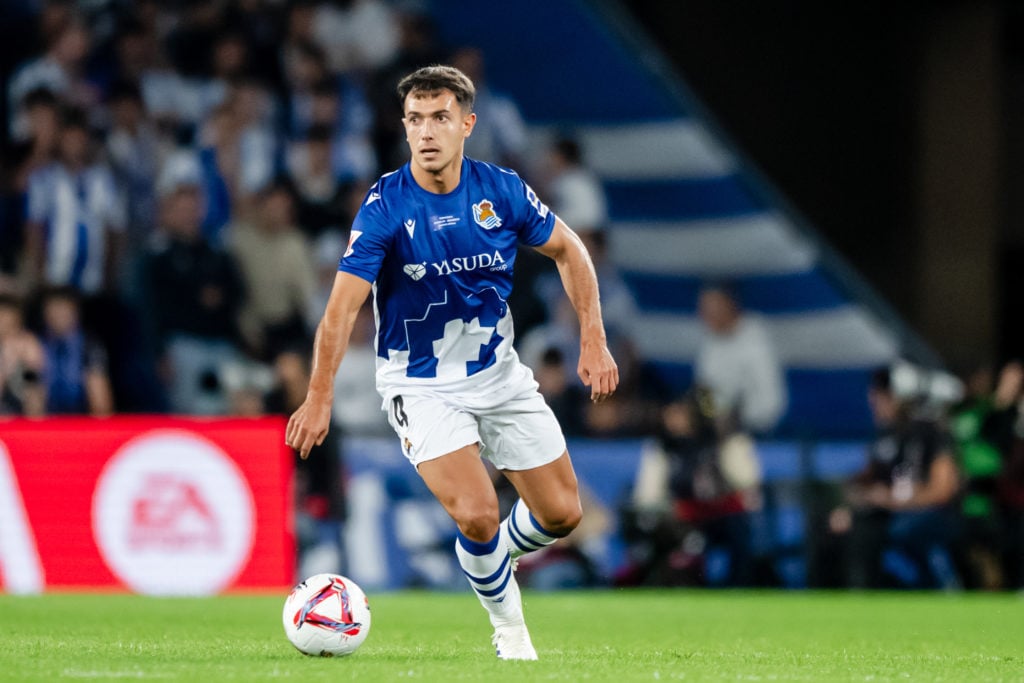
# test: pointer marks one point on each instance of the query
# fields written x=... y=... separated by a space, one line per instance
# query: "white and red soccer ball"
x=327 y=615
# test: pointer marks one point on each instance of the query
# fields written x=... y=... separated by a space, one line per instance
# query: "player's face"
x=436 y=128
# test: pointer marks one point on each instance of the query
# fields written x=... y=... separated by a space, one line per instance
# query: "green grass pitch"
x=580 y=636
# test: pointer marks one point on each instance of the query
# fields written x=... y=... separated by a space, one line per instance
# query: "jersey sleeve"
x=368 y=241
x=535 y=220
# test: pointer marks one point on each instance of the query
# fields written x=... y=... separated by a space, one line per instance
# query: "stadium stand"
x=687 y=207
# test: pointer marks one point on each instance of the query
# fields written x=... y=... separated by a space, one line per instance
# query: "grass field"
x=605 y=636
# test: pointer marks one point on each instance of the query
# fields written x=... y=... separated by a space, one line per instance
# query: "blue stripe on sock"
x=518 y=543
x=538 y=527
x=494 y=591
x=476 y=548
x=492 y=577
x=514 y=531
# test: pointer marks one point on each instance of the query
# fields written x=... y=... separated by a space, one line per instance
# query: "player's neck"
x=443 y=180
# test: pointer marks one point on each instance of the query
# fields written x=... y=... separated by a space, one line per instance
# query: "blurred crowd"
x=177 y=181
x=181 y=177
x=938 y=503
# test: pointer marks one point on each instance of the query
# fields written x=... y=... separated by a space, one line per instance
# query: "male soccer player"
x=436 y=241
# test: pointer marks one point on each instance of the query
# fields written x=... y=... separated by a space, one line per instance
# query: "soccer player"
x=436 y=242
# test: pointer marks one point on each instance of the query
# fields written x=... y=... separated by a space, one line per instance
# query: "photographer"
x=22 y=363
x=903 y=498
x=694 y=490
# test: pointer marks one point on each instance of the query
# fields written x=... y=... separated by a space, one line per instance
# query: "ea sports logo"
x=415 y=270
x=173 y=515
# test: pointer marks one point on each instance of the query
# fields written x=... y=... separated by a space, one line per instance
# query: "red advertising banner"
x=162 y=506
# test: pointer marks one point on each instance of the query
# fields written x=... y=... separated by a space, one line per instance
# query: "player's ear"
x=468 y=122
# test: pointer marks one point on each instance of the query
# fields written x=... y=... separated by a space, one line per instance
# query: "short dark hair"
x=67 y=292
x=75 y=117
x=40 y=97
x=320 y=132
x=326 y=87
x=881 y=380
x=430 y=80
x=124 y=91
x=10 y=301
x=569 y=149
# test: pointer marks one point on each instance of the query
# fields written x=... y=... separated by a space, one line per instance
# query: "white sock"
x=524 y=531
x=488 y=567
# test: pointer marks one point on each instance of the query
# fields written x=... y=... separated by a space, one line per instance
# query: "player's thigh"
x=429 y=427
x=460 y=482
x=521 y=433
x=551 y=492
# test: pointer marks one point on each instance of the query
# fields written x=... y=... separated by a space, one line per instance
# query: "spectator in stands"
x=738 y=363
x=190 y=44
x=135 y=51
x=565 y=398
x=352 y=155
x=239 y=134
x=327 y=250
x=694 y=491
x=357 y=35
x=417 y=47
x=320 y=485
x=903 y=499
x=20 y=161
x=560 y=331
x=1004 y=427
x=76 y=217
x=980 y=461
x=134 y=151
x=632 y=411
x=41 y=109
x=60 y=70
x=77 y=382
x=310 y=87
x=322 y=198
x=193 y=293
x=576 y=195
x=22 y=363
x=274 y=258
x=575 y=190
x=500 y=133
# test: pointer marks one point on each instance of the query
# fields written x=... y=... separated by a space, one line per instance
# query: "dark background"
x=894 y=128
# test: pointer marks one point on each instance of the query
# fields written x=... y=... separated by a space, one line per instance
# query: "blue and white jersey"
x=76 y=211
x=441 y=266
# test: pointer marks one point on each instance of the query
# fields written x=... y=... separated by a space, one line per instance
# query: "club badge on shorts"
x=483 y=214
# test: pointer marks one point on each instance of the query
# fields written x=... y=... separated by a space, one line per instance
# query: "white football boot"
x=511 y=638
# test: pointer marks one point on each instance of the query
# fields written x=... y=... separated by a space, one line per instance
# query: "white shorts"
x=516 y=429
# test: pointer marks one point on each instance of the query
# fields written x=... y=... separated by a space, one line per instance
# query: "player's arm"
x=597 y=368
x=308 y=425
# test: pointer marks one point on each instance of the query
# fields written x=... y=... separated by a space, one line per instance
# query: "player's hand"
x=308 y=426
x=597 y=370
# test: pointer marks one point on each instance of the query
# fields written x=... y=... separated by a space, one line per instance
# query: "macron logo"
x=374 y=196
x=410 y=225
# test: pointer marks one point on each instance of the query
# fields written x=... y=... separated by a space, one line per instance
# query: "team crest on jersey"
x=483 y=214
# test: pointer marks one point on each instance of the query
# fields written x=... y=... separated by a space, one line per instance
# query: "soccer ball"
x=327 y=615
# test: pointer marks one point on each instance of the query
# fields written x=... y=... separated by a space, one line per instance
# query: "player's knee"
x=477 y=522
x=563 y=520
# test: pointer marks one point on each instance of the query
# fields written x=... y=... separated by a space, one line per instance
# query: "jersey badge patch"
x=483 y=214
